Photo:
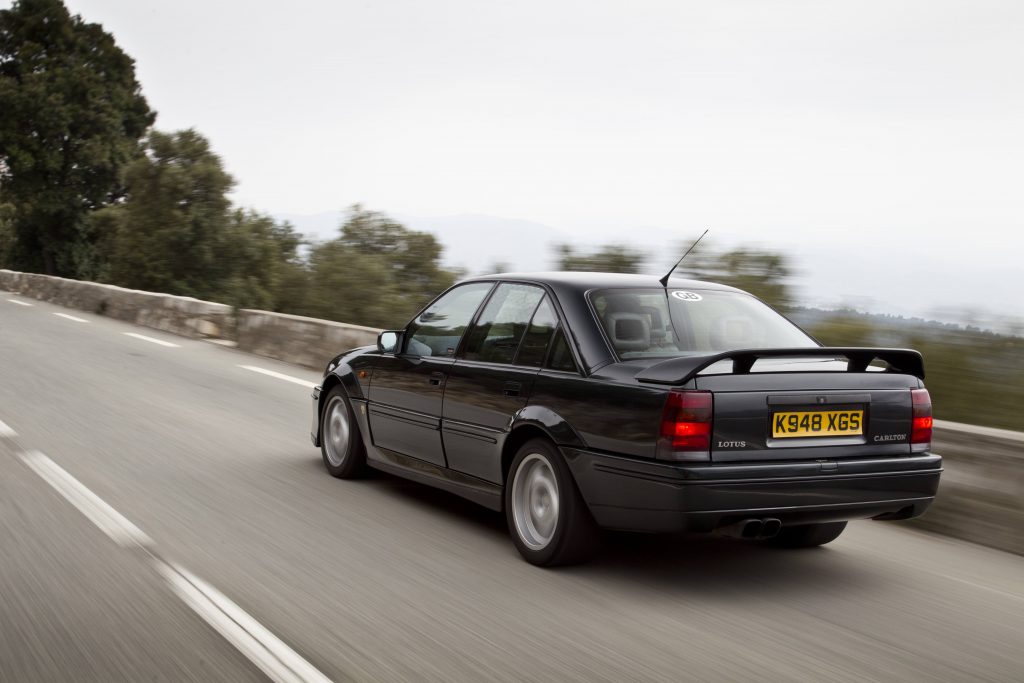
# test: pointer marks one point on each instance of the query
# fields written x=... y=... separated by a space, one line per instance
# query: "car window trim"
x=570 y=335
x=574 y=346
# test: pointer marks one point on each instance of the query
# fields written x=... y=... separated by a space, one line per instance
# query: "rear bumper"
x=637 y=495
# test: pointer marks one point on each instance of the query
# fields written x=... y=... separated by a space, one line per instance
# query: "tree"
x=413 y=256
x=611 y=258
x=71 y=120
x=6 y=231
x=261 y=261
x=376 y=272
x=172 y=233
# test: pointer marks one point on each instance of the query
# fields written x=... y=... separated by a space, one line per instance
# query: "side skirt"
x=477 y=490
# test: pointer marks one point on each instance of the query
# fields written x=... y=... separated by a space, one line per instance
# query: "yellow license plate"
x=818 y=423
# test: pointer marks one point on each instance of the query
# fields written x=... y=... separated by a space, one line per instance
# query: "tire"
x=808 y=535
x=548 y=520
x=341 y=445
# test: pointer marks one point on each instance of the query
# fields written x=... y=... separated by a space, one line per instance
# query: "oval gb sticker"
x=687 y=296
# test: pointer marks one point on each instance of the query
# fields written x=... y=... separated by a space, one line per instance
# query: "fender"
x=560 y=431
x=353 y=371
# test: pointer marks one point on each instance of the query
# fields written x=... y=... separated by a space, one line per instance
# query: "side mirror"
x=389 y=341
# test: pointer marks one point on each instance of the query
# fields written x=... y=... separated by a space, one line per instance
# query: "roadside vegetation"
x=90 y=189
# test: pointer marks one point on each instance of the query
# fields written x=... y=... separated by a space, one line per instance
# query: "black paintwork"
x=456 y=423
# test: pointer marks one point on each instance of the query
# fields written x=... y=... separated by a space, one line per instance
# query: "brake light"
x=921 y=432
x=686 y=426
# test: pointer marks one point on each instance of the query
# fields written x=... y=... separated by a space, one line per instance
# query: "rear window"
x=653 y=323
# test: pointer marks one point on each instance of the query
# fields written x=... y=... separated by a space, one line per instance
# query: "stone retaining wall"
x=981 y=494
x=310 y=342
x=176 y=314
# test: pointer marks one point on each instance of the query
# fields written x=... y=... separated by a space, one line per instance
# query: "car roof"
x=583 y=281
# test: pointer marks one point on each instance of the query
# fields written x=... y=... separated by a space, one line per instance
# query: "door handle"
x=436 y=378
x=511 y=389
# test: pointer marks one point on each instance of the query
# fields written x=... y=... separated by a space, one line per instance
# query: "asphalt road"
x=215 y=547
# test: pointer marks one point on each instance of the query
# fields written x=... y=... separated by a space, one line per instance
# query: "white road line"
x=143 y=337
x=109 y=520
x=71 y=317
x=278 y=375
x=6 y=432
x=263 y=648
x=20 y=303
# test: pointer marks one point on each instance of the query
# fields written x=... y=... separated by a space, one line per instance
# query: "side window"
x=561 y=356
x=437 y=330
x=502 y=324
x=535 y=341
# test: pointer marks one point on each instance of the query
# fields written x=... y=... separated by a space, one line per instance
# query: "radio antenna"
x=664 y=280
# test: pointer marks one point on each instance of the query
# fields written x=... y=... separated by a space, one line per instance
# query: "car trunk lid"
x=791 y=411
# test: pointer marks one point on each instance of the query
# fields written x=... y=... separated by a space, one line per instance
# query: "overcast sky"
x=882 y=143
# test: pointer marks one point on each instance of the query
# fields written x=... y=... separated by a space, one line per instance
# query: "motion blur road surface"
x=383 y=579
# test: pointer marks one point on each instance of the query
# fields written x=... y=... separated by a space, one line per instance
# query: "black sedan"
x=579 y=401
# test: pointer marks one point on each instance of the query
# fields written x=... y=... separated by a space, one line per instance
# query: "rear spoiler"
x=682 y=370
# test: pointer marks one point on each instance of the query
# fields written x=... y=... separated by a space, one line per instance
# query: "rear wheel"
x=340 y=442
x=808 y=535
x=547 y=517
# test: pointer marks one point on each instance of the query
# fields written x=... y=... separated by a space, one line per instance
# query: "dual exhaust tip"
x=754 y=529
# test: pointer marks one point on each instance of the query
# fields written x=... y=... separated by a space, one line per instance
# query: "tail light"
x=686 y=426
x=921 y=432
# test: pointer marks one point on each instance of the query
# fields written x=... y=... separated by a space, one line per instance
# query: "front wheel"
x=808 y=535
x=547 y=517
x=340 y=442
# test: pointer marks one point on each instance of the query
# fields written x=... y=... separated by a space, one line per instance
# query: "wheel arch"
x=534 y=422
x=344 y=377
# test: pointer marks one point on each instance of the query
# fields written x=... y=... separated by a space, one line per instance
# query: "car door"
x=493 y=375
x=407 y=387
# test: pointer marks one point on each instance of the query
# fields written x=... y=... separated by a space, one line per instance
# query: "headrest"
x=628 y=331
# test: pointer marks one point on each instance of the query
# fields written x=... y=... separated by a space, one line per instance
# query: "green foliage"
x=611 y=258
x=175 y=232
x=376 y=272
x=413 y=257
x=845 y=328
x=172 y=233
x=973 y=376
x=6 y=232
x=261 y=261
x=71 y=119
x=761 y=272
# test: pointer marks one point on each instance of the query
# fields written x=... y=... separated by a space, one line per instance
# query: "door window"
x=437 y=330
x=496 y=335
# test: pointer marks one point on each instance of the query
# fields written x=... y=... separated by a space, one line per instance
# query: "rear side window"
x=496 y=335
x=535 y=342
x=437 y=330
x=561 y=356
